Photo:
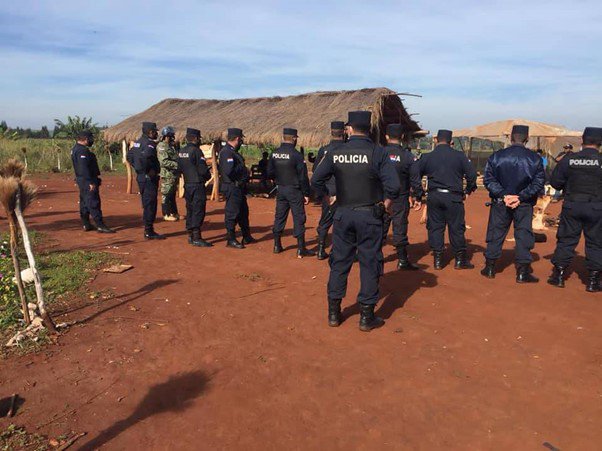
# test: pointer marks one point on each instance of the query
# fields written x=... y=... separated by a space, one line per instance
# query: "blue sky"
x=473 y=61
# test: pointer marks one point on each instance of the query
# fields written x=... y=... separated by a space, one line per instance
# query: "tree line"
x=63 y=129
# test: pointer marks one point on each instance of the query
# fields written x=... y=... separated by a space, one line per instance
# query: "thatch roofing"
x=262 y=119
x=502 y=129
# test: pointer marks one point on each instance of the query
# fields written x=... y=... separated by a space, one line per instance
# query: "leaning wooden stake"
x=32 y=265
x=14 y=254
x=217 y=144
x=128 y=167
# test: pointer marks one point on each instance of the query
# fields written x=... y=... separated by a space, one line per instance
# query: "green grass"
x=16 y=437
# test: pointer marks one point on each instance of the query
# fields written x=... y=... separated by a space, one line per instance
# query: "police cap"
x=235 y=133
x=394 y=131
x=337 y=125
x=148 y=126
x=359 y=118
x=85 y=134
x=193 y=132
x=522 y=130
x=592 y=135
x=444 y=136
x=289 y=131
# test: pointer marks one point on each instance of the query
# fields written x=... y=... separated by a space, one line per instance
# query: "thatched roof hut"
x=262 y=119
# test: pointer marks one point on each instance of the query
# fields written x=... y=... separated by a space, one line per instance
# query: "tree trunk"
x=110 y=158
x=32 y=264
x=14 y=254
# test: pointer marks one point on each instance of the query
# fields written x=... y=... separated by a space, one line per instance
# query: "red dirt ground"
x=227 y=349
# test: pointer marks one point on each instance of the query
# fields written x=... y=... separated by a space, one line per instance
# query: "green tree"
x=73 y=126
x=44 y=133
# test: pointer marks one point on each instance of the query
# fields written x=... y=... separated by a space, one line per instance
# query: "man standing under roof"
x=328 y=196
x=403 y=160
x=168 y=158
x=514 y=178
x=362 y=172
x=235 y=177
x=580 y=176
x=445 y=168
x=287 y=168
x=143 y=157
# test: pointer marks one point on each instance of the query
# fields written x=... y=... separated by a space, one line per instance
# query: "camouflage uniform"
x=168 y=157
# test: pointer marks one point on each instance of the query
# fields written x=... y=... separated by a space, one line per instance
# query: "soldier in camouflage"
x=168 y=157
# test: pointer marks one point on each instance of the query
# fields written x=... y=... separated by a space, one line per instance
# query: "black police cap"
x=147 y=126
x=592 y=135
x=235 y=133
x=85 y=134
x=444 y=135
x=394 y=131
x=193 y=132
x=359 y=118
x=337 y=125
x=520 y=130
x=289 y=131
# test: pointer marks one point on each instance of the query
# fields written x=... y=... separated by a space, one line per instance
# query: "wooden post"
x=470 y=142
x=217 y=144
x=14 y=254
x=181 y=187
x=108 y=149
x=128 y=167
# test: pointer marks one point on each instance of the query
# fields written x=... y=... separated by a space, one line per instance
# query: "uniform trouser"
x=196 y=205
x=500 y=219
x=89 y=202
x=399 y=218
x=577 y=217
x=326 y=218
x=237 y=209
x=445 y=209
x=149 y=187
x=289 y=198
x=356 y=231
x=169 y=187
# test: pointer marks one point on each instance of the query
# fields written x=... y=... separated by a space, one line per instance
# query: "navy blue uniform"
x=235 y=177
x=362 y=171
x=192 y=164
x=287 y=168
x=327 y=216
x=87 y=173
x=403 y=160
x=143 y=157
x=579 y=175
x=515 y=170
x=446 y=169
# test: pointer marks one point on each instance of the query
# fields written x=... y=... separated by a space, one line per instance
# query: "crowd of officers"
x=364 y=188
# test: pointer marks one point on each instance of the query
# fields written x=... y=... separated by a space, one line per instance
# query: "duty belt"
x=440 y=190
x=363 y=208
x=582 y=198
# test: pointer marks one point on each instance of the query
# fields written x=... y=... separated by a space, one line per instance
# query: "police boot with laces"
x=233 y=242
x=101 y=227
x=462 y=261
x=403 y=260
x=277 y=244
x=248 y=239
x=198 y=241
x=557 y=277
x=489 y=269
x=593 y=282
x=322 y=254
x=368 y=320
x=302 y=251
x=438 y=260
x=152 y=235
x=524 y=274
x=334 y=312
x=88 y=227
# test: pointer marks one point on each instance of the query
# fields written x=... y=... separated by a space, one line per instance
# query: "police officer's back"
x=363 y=177
x=580 y=176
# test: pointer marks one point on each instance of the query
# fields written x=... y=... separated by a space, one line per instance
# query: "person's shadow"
x=175 y=395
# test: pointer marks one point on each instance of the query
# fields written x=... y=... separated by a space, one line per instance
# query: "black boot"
x=593 y=282
x=101 y=227
x=557 y=276
x=150 y=234
x=88 y=227
x=462 y=261
x=438 y=259
x=403 y=261
x=489 y=269
x=524 y=274
x=334 y=312
x=248 y=239
x=232 y=242
x=197 y=240
x=302 y=251
x=367 y=319
x=277 y=244
x=322 y=254
x=190 y=237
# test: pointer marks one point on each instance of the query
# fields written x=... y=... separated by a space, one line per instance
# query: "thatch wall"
x=262 y=119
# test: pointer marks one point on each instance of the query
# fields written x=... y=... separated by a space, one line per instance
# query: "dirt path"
x=225 y=349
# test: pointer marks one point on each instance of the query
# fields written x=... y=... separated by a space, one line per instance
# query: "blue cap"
x=394 y=131
x=520 y=130
x=444 y=135
x=193 y=132
x=359 y=118
x=289 y=131
x=235 y=133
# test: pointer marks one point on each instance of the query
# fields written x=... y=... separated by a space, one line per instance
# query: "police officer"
x=288 y=170
x=87 y=176
x=402 y=159
x=328 y=196
x=168 y=158
x=143 y=157
x=192 y=164
x=445 y=168
x=362 y=172
x=235 y=177
x=514 y=177
x=580 y=176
